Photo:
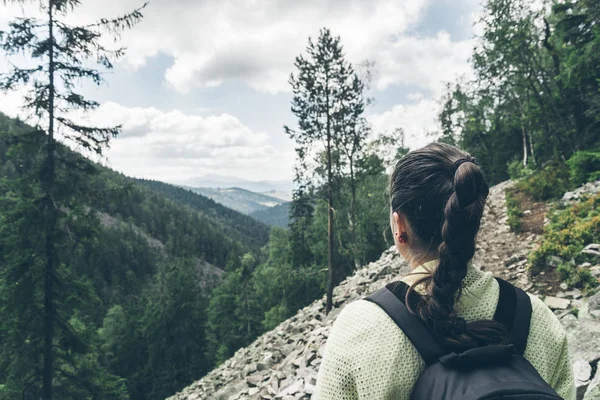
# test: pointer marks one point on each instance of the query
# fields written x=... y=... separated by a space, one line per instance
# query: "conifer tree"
x=356 y=130
x=60 y=54
x=321 y=87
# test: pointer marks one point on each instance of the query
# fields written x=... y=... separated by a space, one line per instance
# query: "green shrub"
x=516 y=170
x=575 y=311
x=568 y=232
x=584 y=166
x=573 y=276
x=513 y=206
x=548 y=183
x=274 y=317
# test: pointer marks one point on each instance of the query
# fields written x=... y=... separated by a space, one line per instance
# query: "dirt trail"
x=503 y=252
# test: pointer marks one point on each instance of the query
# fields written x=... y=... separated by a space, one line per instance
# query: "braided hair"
x=441 y=191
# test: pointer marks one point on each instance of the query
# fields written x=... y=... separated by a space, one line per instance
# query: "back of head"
x=441 y=190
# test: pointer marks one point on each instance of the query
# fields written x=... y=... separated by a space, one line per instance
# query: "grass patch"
x=576 y=277
x=548 y=183
x=514 y=211
x=575 y=311
x=569 y=231
x=556 y=178
x=584 y=166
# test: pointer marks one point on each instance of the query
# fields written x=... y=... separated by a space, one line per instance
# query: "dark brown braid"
x=442 y=191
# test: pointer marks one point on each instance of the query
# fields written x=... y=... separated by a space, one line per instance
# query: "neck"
x=416 y=262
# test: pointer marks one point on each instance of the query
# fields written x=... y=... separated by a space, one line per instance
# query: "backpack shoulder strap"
x=410 y=325
x=514 y=312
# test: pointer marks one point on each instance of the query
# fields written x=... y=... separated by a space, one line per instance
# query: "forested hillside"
x=142 y=252
x=274 y=216
x=236 y=225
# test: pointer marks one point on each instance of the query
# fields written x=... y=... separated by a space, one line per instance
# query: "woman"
x=437 y=197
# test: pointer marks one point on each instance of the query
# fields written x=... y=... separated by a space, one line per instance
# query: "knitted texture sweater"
x=368 y=357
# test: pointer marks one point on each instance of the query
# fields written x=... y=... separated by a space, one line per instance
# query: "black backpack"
x=488 y=372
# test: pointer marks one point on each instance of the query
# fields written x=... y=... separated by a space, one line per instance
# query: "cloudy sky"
x=203 y=87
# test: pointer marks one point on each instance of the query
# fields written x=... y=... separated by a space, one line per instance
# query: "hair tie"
x=461 y=161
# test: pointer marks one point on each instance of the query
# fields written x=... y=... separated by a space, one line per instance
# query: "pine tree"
x=352 y=143
x=60 y=53
x=321 y=86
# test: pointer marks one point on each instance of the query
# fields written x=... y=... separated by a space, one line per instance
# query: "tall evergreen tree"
x=322 y=85
x=353 y=139
x=60 y=53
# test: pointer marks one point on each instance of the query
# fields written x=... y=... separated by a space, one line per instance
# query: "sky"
x=203 y=87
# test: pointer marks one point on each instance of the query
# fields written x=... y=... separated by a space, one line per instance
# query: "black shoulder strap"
x=411 y=326
x=514 y=312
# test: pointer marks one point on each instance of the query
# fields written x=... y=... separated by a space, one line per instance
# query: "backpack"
x=487 y=372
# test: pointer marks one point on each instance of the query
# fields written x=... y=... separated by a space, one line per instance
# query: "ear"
x=399 y=224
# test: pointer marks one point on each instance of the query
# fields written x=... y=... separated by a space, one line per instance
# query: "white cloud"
x=259 y=47
x=418 y=120
x=175 y=147
x=428 y=62
x=256 y=42
x=11 y=104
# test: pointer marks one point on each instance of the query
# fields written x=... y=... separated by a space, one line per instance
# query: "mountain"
x=156 y=210
x=286 y=196
x=242 y=200
x=234 y=222
x=223 y=181
x=139 y=262
x=274 y=216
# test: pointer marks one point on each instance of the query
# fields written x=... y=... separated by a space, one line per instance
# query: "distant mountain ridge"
x=235 y=223
x=239 y=199
x=223 y=182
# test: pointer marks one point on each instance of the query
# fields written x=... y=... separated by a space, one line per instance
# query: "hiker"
x=447 y=330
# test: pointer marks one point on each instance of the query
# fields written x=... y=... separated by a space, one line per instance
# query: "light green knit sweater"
x=368 y=357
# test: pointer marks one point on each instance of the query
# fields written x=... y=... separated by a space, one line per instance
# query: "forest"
x=120 y=288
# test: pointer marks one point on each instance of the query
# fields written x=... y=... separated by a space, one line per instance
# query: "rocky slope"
x=283 y=363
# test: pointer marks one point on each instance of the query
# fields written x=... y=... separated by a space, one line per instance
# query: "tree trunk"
x=525 y=152
x=531 y=148
x=247 y=311
x=353 y=214
x=50 y=215
x=331 y=274
x=532 y=152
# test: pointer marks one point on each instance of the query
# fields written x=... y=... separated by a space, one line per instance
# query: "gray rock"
x=589 y=188
x=250 y=368
x=310 y=389
x=582 y=371
x=292 y=389
x=262 y=366
x=594 y=302
x=256 y=380
x=575 y=294
x=593 y=391
x=592 y=249
x=556 y=303
x=584 y=337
